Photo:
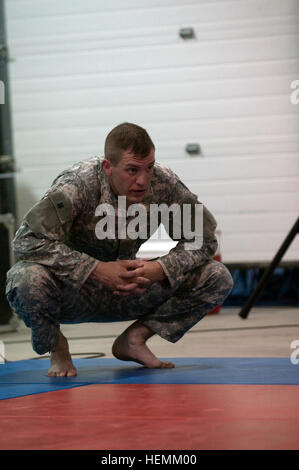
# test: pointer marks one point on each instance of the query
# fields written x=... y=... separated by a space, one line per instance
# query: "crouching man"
x=69 y=270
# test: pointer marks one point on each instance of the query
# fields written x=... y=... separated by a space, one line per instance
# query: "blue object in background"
x=281 y=289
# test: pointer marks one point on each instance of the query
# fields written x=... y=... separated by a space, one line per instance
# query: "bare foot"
x=61 y=361
x=130 y=346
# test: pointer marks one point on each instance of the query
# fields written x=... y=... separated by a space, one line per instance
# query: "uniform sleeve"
x=44 y=231
x=180 y=260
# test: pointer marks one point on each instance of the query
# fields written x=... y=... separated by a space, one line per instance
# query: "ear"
x=107 y=167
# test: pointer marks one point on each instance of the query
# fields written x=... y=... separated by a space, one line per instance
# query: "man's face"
x=131 y=177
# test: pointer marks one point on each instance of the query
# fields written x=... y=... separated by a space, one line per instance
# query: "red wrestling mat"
x=164 y=416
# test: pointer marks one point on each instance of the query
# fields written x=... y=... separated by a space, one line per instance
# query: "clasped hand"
x=127 y=277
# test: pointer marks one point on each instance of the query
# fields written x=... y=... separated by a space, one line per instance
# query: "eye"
x=131 y=171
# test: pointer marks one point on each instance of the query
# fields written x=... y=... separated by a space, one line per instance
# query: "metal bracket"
x=187 y=33
x=193 y=149
x=4 y=55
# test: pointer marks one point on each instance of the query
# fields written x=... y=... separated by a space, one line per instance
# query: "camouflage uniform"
x=57 y=248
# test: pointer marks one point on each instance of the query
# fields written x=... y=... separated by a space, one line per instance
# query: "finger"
x=136 y=291
x=139 y=290
x=122 y=294
x=126 y=287
x=132 y=264
x=143 y=281
x=133 y=273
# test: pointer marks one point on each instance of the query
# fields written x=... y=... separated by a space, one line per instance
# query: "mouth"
x=138 y=192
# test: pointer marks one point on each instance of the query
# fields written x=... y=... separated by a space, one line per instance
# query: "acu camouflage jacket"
x=59 y=231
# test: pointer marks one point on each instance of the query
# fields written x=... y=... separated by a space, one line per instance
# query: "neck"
x=117 y=194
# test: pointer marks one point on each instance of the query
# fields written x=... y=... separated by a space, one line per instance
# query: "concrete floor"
x=267 y=332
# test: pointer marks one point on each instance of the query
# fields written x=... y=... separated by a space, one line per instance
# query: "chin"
x=135 y=199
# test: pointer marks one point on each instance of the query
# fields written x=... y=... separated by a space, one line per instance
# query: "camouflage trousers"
x=44 y=302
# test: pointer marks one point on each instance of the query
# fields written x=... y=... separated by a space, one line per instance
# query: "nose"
x=141 y=180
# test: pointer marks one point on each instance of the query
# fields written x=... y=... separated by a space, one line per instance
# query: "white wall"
x=80 y=67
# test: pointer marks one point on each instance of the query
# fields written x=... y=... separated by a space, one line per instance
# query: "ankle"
x=138 y=333
x=61 y=345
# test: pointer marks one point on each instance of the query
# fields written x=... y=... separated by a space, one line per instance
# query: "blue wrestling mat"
x=30 y=376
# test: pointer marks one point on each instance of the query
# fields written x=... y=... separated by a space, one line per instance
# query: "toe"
x=168 y=365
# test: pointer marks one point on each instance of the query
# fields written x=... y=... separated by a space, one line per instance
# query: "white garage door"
x=80 y=67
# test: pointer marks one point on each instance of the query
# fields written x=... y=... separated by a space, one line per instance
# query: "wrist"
x=159 y=271
x=96 y=272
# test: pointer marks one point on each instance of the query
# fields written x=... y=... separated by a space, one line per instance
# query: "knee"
x=213 y=274
x=26 y=277
x=25 y=286
x=224 y=277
